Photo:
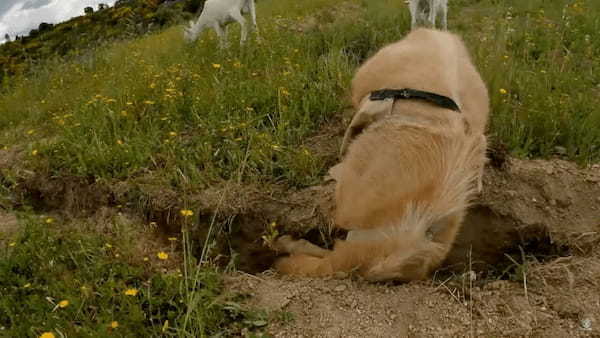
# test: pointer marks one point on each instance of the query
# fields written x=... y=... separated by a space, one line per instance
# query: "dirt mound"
x=545 y=209
x=561 y=299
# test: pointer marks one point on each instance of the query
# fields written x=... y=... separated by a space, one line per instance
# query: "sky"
x=18 y=17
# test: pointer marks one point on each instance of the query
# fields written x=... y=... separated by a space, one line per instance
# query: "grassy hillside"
x=141 y=118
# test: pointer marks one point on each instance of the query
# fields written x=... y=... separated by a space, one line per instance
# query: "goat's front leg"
x=432 y=13
x=221 y=34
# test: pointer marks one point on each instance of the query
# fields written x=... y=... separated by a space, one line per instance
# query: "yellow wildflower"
x=149 y=102
x=34 y=152
x=49 y=220
x=11 y=244
x=114 y=324
x=172 y=134
x=503 y=91
x=162 y=255
x=47 y=335
x=216 y=65
x=146 y=259
x=131 y=292
x=186 y=212
x=63 y=304
x=30 y=131
x=120 y=142
x=152 y=85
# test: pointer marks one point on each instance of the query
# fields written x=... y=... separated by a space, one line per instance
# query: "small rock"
x=586 y=324
x=470 y=275
x=340 y=288
x=560 y=150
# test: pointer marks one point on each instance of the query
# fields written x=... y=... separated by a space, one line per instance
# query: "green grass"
x=185 y=117
x=90 y=274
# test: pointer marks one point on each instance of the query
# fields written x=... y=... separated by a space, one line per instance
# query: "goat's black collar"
x=406 y=93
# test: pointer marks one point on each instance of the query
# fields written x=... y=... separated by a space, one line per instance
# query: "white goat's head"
x=189 y=33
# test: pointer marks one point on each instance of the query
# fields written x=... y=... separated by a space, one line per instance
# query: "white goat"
x=426 y=11
x=218 y=14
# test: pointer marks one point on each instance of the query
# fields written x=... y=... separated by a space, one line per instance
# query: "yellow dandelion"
x=503 y=91
x=172 y=134
x=114 y=324
x=49 y=220
x=120 y=142
x=11 y=244
x=131 y=292
x=186 y=212
x=34 y=152
x=162 y=255
x=216 y=65
x=47 y=335
x=63 y=304
x=146 y=259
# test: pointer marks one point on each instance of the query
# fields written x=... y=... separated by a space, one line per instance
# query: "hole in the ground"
x=494 y=244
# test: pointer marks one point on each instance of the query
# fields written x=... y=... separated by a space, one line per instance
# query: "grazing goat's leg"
x=237 y=16
x=445 y=17
x=253 y=16
x=432 y=13
x=221 y=34
x=413 y=6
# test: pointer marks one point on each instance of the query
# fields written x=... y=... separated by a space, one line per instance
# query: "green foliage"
x=82 y=283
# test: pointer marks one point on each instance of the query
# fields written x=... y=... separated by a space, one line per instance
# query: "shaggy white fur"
x=426 y=11
x=217 y=14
